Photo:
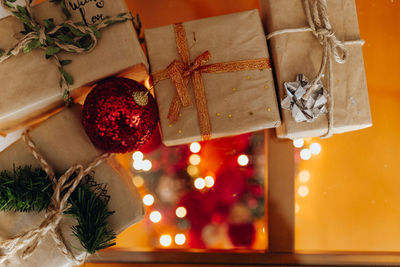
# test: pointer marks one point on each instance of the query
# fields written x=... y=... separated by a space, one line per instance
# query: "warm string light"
x=299 y=143
x=137 y=156
x=139 y=163
x=199 y=183
x=192 y=170
x=180 y=239
x=181 y=212
x=148 y=200
x=138 y=181
x=155 y=216
x=209 y=181
x=165 y=240
x=305 y=154
x=315 y=148
x=304 y=176
x=194 y=159
x=243 y=160
x=195 y=147
x=303 y=191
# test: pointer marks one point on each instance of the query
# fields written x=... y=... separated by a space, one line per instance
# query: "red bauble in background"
x=242 y=235
x=119 y=115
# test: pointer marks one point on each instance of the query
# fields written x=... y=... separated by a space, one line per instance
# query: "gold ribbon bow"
x=181 y=72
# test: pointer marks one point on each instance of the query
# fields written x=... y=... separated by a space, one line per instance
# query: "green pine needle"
x=26 y=189
x=89 y=207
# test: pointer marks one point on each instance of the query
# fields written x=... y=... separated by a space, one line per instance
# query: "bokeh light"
x=199 y=183
x=243 y=160
x=298 y=143
x=305 y=154
x=192 y=170
x=138 y=181
x=304 y=176
x=165 y=240
x=209 y=181
x=303 y=191
x=195 y=147
x=137 y=156
x=315 y=148
x=194 y=159
x=180 y=239
x=147 y=165
x=181 y=212
x=155 y=216
x=148 y=200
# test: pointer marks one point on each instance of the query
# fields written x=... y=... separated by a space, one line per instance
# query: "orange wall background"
x=354 y=190
x=354 y=200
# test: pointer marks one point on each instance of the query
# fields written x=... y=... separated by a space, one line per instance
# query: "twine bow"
x=333 y=49
x=182 y=71
x=43 y=37
x=27 y=242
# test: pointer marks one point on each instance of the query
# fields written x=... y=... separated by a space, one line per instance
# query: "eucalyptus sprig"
x=72 y=37
x=30 y=190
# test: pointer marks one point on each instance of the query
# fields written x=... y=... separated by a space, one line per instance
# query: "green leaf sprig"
x=29 y=190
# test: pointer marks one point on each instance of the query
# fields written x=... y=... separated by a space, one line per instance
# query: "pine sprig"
x=89 y=206
x=24 y=190
x=27 y=190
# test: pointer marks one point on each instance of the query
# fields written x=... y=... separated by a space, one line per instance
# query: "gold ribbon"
x=181 y=72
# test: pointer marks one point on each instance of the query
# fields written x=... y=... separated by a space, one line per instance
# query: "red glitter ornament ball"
x=119 y=115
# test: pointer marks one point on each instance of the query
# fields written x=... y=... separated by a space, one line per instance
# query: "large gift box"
x=30 y=83
x=296 y=50
x=212 y=78
x=63 y=142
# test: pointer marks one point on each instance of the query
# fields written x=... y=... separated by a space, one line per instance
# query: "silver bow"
x=305 y=107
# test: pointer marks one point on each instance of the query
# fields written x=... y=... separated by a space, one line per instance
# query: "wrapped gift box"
x=30 y=83
x=63 y=142
x=301 y=53
x=238 y=102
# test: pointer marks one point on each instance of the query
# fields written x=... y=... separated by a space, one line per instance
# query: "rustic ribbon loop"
x=28 y=242
x=180 y=72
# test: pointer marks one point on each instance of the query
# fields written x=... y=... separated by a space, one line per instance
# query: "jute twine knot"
x=320 y=26
x=40 y=33
x=28 y=242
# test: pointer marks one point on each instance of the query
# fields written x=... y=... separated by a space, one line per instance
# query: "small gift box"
x=319 y=67
x=212 y=78
x=62 y=142
x=30 y=84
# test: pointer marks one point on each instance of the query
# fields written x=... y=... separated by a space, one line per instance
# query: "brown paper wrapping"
x=63 y=142
x=238 y=102
x=295 y=53
x=29 y=84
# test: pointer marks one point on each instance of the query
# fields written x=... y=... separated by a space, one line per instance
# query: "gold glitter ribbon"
x=180 y=72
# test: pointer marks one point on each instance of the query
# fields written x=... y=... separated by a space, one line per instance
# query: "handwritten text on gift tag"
x=89 y=10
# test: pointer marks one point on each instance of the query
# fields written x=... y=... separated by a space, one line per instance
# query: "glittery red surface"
x=112 y=119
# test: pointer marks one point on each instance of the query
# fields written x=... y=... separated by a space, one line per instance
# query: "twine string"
x=28 y=242
x=333 y=49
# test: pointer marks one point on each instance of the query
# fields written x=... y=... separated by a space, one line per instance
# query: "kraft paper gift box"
x=301 y=53
x=237 y=102
x=63 y=142
x=29 y=84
